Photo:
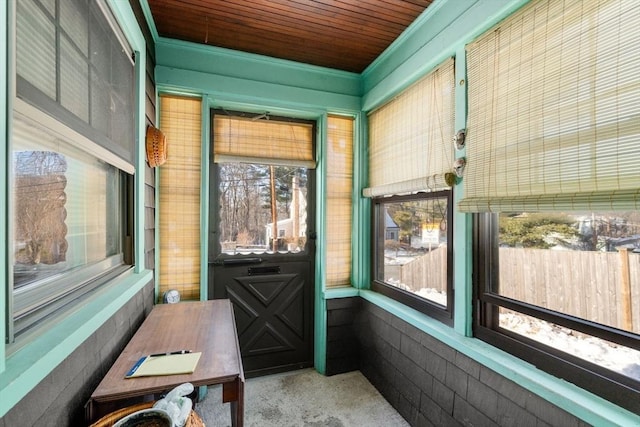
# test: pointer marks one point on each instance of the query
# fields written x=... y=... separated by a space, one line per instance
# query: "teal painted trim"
x=582 y=404
x=320 y=336
x=146 y=10
x=320 y=305
x=345 y=292
x=462 y=255
x=361 y=233
x=204 y=198
x=438 y=38
x=139 y=204
x=128 y=23
x=33 y=362
x=251 y=91
x=4 y=177
x=177 y=54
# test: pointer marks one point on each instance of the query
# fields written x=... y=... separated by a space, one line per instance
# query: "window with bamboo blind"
x=554 y=110
x=179 y=193
x=410 y=151
x=410 y=145
x=262 y=173
x=339 y=201
x=552 y=147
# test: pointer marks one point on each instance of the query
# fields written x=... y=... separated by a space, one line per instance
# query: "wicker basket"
x=109 y=420
x=156 y=145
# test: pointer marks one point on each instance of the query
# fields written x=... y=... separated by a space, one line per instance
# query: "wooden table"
x=206 y=326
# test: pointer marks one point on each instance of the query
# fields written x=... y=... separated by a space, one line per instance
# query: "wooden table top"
x=202 y=326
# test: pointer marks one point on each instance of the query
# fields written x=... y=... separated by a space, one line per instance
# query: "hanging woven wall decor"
x=156 y=147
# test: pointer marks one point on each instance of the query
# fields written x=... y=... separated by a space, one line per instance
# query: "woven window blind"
x=339 y=201
x=410 y=146
x=241 y=139
x=179 y=192
x=554 y=109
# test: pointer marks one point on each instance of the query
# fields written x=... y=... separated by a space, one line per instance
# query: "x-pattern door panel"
x=273 y=315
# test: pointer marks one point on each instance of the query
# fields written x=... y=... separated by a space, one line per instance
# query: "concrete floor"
x=305 y=398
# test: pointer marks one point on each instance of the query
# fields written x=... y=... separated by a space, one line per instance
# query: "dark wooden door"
x=262 y=243
x=273 y=303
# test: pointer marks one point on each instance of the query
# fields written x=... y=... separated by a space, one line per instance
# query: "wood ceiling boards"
x=341 y=34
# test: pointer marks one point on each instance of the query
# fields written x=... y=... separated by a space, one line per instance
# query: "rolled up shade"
x=554 y=110
x=339 y=190
x=265 y=140
x=410 y=146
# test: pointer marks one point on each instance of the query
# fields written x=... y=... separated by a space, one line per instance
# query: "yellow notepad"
x=170 y=364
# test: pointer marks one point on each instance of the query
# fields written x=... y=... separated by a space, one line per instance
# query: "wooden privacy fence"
x=426 y=271
x=600 y=286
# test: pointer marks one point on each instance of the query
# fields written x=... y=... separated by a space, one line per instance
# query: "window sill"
x=582 y=404
x=25 y=368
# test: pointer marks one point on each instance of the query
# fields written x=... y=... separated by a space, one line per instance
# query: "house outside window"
x=410 y=151
x=551 y=178
x=72 y=153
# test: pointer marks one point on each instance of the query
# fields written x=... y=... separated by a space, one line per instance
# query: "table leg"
x=237 y=405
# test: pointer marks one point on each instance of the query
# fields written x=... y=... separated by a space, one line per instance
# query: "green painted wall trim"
x=246 y=66
x=146 y=10
x=584 y=405
x=204 y=198
x=345 y=292
x=4 y=177
x=462 y=256
x=361 y=232
x=320 y=305
x=251 y=91
x=33 y=362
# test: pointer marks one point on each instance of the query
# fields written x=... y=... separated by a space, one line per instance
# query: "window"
x=410 y=152
x=553 y=129
x=413 y=255
x=71 y=157
x=262 y=168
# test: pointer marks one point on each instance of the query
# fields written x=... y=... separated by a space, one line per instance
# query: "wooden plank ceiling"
x=341 y=34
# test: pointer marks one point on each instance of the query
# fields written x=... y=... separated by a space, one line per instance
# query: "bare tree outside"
x=251 y=196
x=40 y=229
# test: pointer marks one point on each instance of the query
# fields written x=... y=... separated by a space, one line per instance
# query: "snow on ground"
x=612 y=356
x=609 y=355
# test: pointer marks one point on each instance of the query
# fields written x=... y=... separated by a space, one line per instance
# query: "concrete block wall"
x=431 y=384
x=60 y=398
x=343 y=353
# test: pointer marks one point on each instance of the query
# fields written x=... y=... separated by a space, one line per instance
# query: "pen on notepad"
x=169 y=353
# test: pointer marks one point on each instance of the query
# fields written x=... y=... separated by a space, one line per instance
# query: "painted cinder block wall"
x=428 y=382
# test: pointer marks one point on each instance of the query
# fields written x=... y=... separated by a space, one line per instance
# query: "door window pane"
x=258 y=202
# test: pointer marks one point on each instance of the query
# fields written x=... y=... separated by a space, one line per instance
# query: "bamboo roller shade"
x=339 y=201
x=179 y=197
